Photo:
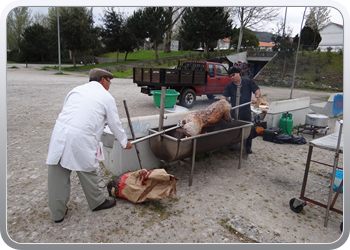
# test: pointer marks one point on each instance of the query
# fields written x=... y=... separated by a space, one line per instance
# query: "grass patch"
x=146 y=55
x=315 y=71
x=45 y=68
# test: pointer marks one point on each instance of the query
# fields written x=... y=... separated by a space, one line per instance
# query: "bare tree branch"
x=253 y=17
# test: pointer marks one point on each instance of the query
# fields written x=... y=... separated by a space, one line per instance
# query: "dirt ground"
x=259 y=192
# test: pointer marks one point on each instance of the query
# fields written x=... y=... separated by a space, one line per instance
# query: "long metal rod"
x=296 y=57
x=161 y=112
x=306 y=172
x=155 y=134
x=58 y=40
x=336 y=158
x=194 y=147
x=244 y=104
x=132 y=132
x=241 y=150
x=238 y=98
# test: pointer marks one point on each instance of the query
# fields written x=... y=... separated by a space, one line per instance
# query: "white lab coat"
x=78 y=129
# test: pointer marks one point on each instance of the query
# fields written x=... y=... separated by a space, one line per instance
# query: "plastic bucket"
x=170 y=97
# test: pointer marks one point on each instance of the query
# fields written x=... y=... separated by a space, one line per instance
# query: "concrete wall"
x=238 y=57
x=119 y=160
x=298 y=107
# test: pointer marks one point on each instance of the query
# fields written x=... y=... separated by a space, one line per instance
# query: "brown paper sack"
x=261 y=101
x=143 y=185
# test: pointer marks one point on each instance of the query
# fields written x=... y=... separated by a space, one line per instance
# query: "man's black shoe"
x=105 y=205
x=59 y=221
x=249 y=151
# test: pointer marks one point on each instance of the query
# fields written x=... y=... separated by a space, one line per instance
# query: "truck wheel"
x=210 y=96
x=187 y=98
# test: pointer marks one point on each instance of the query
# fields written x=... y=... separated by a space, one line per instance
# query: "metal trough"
x=170 y=149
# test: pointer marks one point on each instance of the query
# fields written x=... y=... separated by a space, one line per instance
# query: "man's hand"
x=128 y=145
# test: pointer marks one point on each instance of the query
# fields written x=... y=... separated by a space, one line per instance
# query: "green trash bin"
x=170 y=97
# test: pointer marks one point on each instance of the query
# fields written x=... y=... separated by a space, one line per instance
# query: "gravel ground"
x=258 y=193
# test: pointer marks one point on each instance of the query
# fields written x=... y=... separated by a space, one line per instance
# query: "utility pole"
x=284 y=24
x=92 y=26
x=296 y=57
x=59 y=45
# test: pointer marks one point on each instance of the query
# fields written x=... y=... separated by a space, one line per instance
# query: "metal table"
x=312 y=128
x=333 y=142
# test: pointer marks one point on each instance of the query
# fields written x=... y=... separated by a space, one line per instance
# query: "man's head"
x=234 y=73
x=102 y=76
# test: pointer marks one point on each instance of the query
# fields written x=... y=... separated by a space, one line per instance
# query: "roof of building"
x=338 y=25
x=226 y=39
x=264 y=44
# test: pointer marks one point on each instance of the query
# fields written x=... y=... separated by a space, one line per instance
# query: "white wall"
x=332 y=36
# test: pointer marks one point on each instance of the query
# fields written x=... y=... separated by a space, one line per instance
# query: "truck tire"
x=187 y=98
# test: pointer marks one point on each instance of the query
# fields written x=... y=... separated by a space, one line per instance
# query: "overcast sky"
x=293 y=20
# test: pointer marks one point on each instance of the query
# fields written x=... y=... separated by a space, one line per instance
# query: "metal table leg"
x=241 y=153
x=336 y=158
x=306 y=173
x=193 y=159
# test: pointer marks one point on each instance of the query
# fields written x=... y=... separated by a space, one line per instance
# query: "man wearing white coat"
x=75 y=141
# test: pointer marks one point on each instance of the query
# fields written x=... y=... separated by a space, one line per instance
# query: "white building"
x=332 y=36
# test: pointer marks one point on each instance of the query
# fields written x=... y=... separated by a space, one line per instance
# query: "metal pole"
x=244 y=104
x=238 y=97
x=194 y=146
x=336 y=158
x=155 y=134
x=132 y=132
x=161 y=112
x=296 y=58
x=284 y=24
x=59 y=45
x=241 y=150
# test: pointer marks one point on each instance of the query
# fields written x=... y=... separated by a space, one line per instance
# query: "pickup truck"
x=189 y=78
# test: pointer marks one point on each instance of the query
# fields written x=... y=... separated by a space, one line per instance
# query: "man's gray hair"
x=97 y=79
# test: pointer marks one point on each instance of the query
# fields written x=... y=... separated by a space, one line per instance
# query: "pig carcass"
x=193 y=123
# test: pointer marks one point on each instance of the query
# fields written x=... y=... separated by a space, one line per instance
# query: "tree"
x=316 y=20
x=249 y=17
x=35 y=42
x=17 y=20
x=112 y=31
x=205 y=24
x=175 y=13
x=283 y=42
x=130 y=40
x=41 y=19
x=90 y=36
x=152 y=23
x=75 y=29
x=249 y=38
x=309 y=38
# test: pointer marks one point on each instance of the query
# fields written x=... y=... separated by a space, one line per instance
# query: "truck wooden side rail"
x=169 y=77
